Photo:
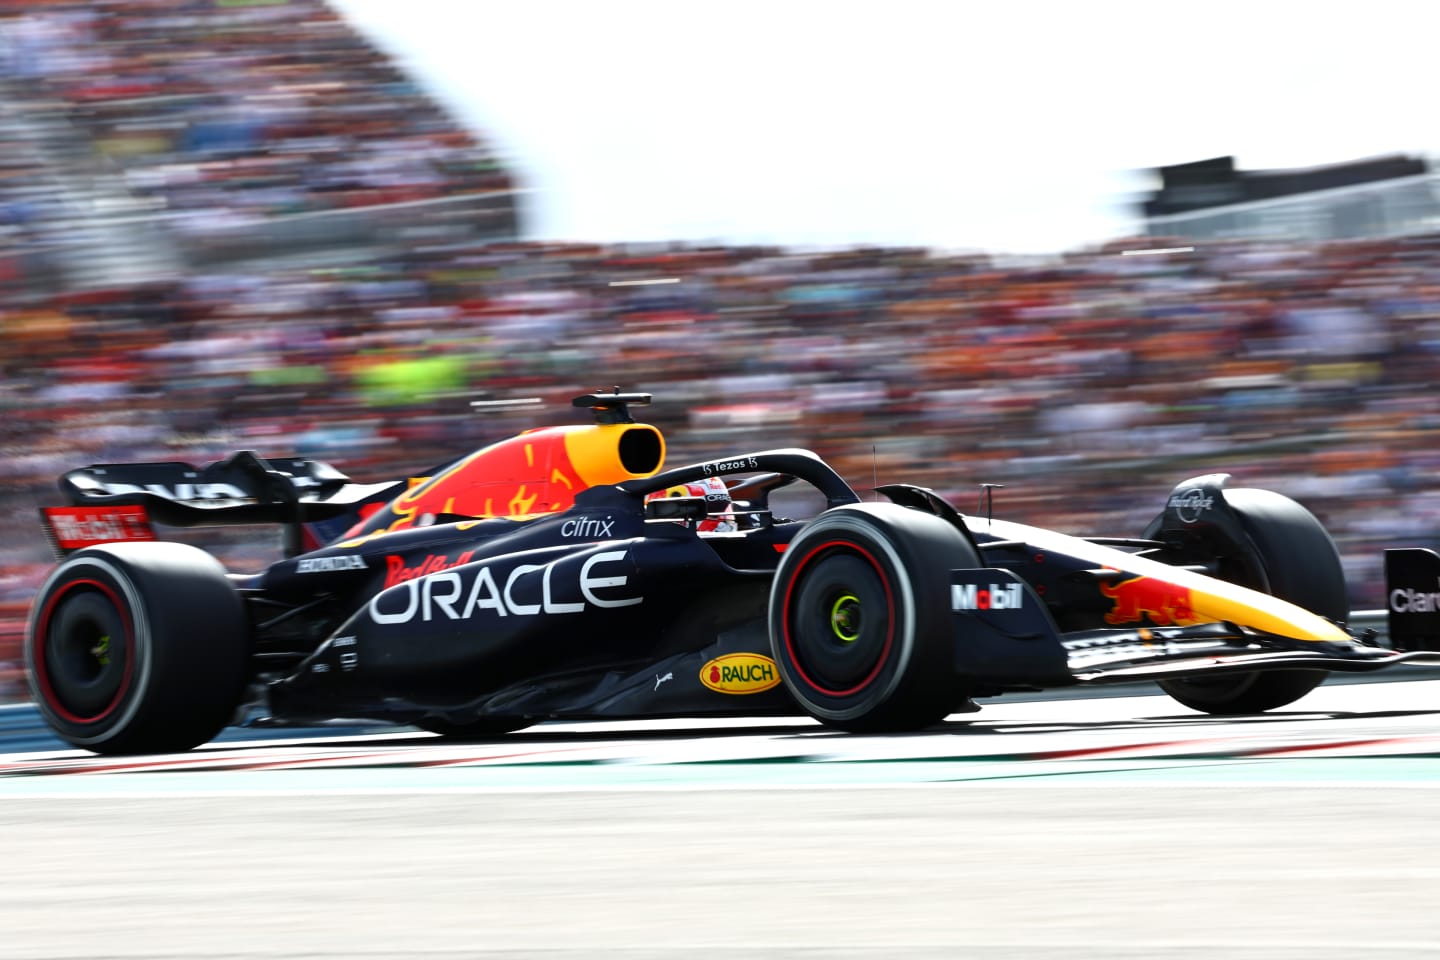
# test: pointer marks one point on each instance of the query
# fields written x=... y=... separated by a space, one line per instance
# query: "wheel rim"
x=83 y=662
x=838 y=629
x=845 y=618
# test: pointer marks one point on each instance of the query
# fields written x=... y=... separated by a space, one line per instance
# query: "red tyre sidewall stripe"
x=890 y=612
x=38 y=652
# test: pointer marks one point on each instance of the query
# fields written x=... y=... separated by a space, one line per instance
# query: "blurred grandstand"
x=1393 y=196
x=146 y=140
x=233 y=225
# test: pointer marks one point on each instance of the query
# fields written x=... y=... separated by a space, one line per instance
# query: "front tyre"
x=1295 y=559
x=137 y=648
x=860 y=620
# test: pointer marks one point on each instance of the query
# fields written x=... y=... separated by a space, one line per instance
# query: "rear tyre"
x=860 y=620
x=1298 y=562
x=137 y=648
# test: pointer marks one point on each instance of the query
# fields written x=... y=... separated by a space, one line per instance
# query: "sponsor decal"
x=729 y=466
x=465 y=593
x=1405 y=600
x=1189 y=505
x=508 y=478
x=998 y=596
x=349 y=659
x=740 y=673
x=1135 y=599
x=181 y=491
x=397 y=573
x=659 y=679
x=76 y=527
x=588 y=528
x=330 y=564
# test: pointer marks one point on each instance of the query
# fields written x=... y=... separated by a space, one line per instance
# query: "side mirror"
x=692 y=509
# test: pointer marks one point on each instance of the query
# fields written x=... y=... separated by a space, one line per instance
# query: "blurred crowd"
x=1087 y=384
x=223 y=113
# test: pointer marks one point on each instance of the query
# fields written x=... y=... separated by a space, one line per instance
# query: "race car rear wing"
x=243 y=489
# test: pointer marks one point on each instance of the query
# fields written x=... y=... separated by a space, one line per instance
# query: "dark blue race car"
x=564 y=573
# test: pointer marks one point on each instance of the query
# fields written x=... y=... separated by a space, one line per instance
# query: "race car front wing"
x=1159 y=653
x=1005 y=635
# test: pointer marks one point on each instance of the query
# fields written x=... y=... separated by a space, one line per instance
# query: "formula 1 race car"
x=561 y=573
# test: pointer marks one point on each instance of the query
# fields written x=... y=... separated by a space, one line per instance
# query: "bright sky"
x=957 y=124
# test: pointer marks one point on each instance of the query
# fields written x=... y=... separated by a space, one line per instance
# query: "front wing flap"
x=1157 y=653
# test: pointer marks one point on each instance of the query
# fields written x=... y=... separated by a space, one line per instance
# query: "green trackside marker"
x=101 y=652
x=845 y=618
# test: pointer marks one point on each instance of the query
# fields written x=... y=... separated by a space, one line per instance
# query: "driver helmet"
x=716 y=496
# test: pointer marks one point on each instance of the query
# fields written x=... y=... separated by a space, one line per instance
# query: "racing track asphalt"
x=1120 y=828
x=1323 y=874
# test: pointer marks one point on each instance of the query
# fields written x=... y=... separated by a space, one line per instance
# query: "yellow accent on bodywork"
x=1259 y=610
x=594 y=452
x=1211 y=600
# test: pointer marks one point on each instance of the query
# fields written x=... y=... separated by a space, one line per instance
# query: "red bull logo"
x=1166 y=604
x=535 y=473
x=396 y=572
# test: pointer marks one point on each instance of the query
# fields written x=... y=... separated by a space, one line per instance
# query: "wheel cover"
x=83 y=661
x=838 y=630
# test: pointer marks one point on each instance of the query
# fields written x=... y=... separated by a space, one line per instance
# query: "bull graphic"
x=1166 y=604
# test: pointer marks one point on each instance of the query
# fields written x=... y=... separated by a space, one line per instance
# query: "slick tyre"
x=1294 y=559
x=137 y=648
x=860 y=621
